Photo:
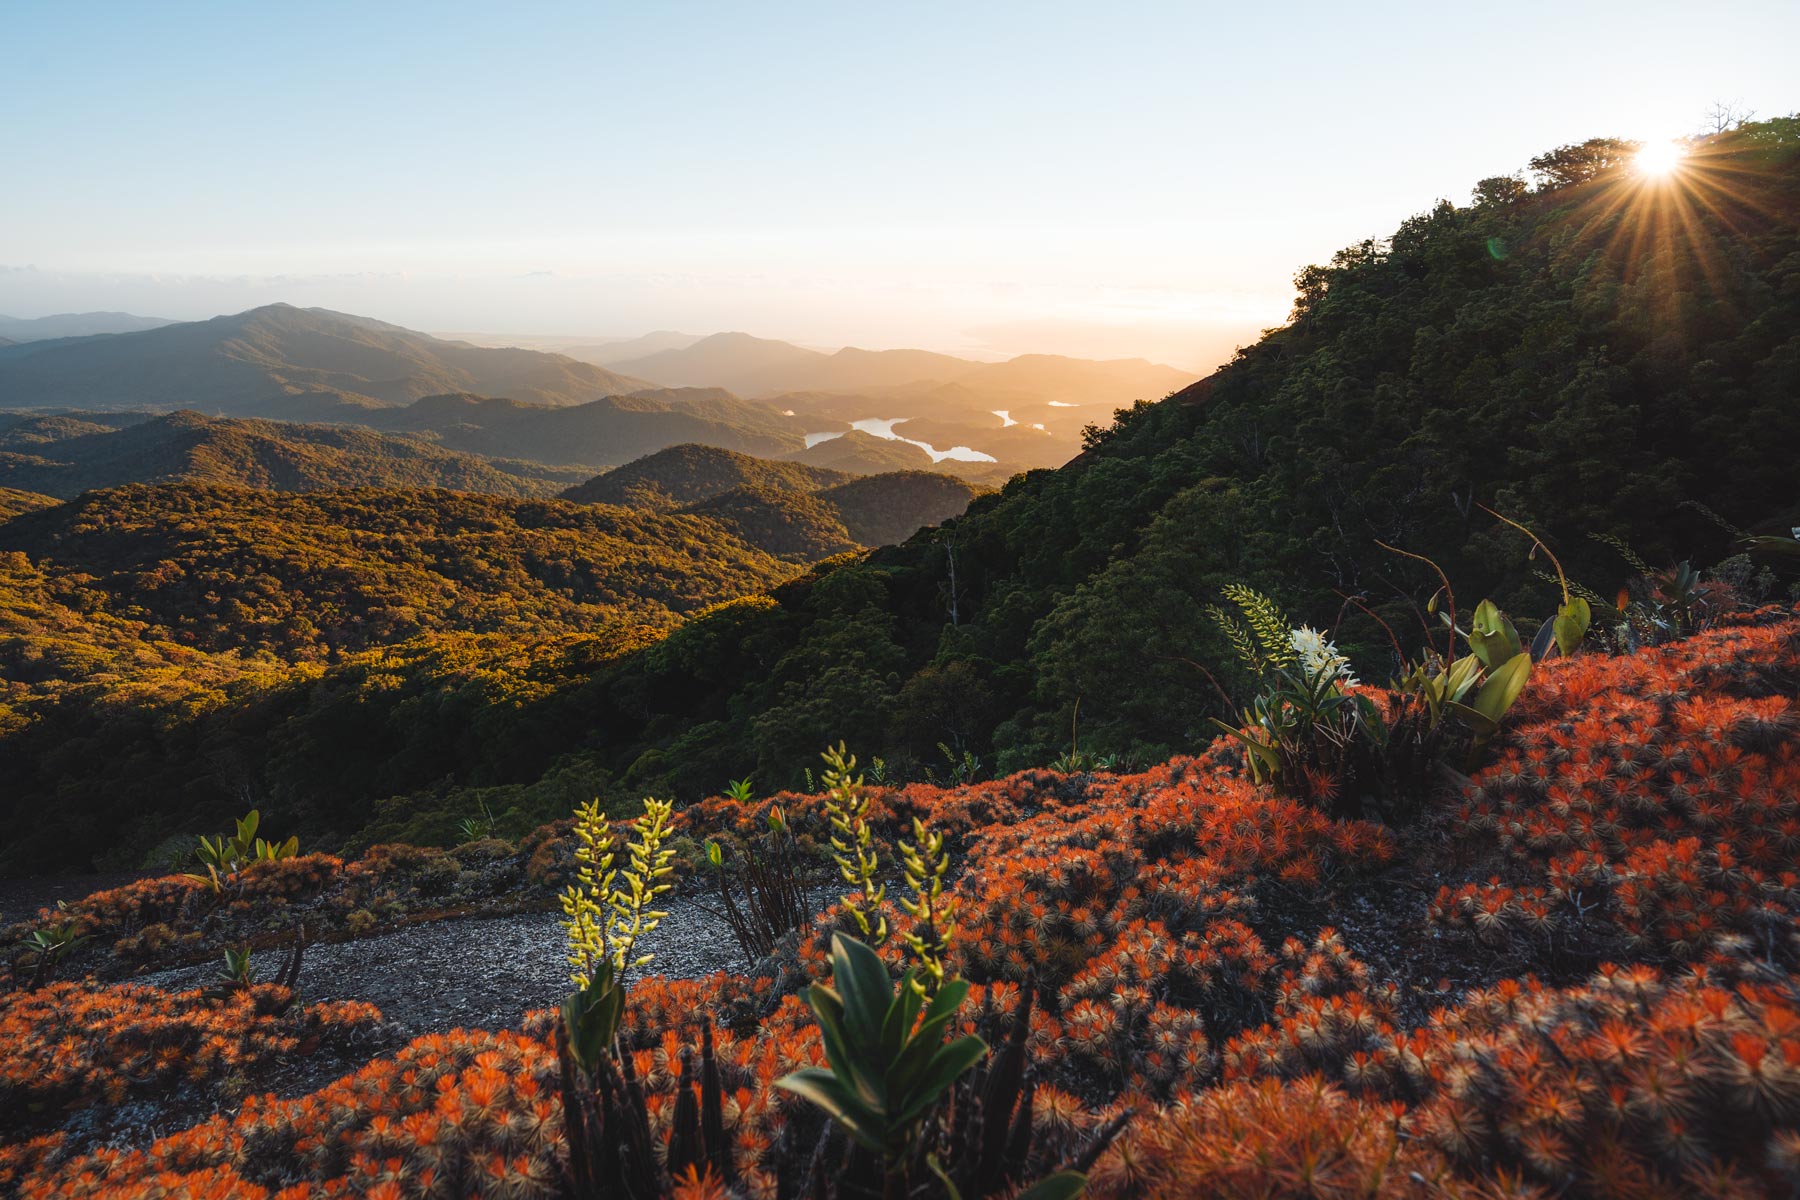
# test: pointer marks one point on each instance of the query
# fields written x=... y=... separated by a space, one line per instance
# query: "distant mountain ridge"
x=247 y=362
x=601 y=351
x=761 y=367
x=67 y=325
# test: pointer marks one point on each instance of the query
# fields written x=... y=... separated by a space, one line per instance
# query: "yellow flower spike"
x=608 y=914
x=925 y=863
x=846 y=808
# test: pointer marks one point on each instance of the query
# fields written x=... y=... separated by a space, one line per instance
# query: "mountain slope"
x=1548 y=355
x=796 y=526
x=242 y=363
x=187 y=447
x=690 y=473
x=793 y=511
x=729 y=360
x=14 y=502
x=880 y=509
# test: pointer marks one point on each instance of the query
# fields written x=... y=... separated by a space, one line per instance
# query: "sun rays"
x=1686 y=202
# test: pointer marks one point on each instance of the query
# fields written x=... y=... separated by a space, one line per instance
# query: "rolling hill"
x=13 y=502
x=690 y=473
x=304 y=574
x=64 y=456
x=878 y=510
x=244 y=363
x=68 y=325
x=793 y=511
x=799 y=527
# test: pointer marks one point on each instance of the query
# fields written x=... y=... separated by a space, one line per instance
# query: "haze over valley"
x=983 y=421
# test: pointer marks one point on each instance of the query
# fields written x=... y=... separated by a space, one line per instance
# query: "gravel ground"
x=476 y=972
x=465 y=973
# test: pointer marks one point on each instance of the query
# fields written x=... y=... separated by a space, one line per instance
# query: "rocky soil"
x=476 y=972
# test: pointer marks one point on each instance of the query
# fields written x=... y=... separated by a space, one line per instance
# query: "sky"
x=1104 y=180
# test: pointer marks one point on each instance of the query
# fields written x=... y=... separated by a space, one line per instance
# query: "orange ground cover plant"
x=1642 y=806
x=69 y=1045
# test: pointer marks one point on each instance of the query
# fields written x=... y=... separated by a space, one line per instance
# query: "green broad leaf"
x=1483 y=727
x=1263 y=754
x=591 y=1020
x=1572 y=621
x=915 y=1059
x=861 y=979
x=1064 y=1185
x=930 y=1033
x=901 y=1015
x=1503 y=687
x=942 y=1071
x=1492 y=636
x=1463 y=674
x=854 y=1064
x=825 y=1090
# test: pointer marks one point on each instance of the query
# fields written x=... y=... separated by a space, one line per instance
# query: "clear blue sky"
x=1098 y=178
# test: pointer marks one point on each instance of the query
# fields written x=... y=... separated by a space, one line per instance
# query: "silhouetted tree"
x=1568 y=165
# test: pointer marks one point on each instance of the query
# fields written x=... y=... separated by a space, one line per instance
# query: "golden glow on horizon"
x=1659 y=159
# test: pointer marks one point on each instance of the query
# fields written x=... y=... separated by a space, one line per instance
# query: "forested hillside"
x=822 y=507
x=13 y=502
x=1592 y=357
x=688 y=473
x=890 y=507
x=306 y=575
x=65 y=456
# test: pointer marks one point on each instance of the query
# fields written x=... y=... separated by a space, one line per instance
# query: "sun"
x=1658 y=159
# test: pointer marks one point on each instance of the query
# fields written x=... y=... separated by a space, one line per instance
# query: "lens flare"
x=1658 y=159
